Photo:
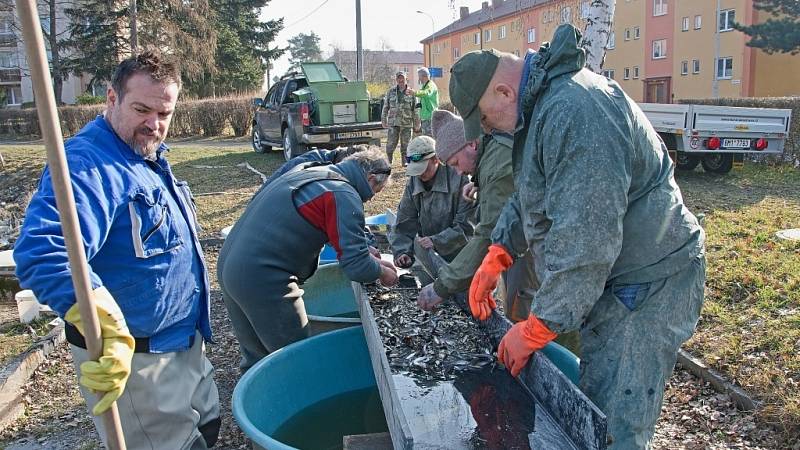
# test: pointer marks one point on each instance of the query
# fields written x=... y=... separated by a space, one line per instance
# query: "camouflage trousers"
x=402 y=134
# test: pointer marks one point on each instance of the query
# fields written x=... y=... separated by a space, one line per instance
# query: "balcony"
x=10 y=76
x=8 y=40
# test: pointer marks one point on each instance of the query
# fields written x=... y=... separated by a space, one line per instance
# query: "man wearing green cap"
x=432 y=213
x=618 y=254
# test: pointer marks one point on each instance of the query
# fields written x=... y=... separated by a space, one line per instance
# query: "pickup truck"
x=717 y=136
x=316 y=107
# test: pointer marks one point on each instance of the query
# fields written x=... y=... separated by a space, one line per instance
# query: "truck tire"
x=258 y=147
x=291 y=147
x=720 y=163
x=686 y=161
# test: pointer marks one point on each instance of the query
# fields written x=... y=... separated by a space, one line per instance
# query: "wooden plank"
x=374 y=441
x=398 y=426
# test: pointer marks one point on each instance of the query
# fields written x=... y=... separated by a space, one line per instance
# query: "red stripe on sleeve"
x=321 y=213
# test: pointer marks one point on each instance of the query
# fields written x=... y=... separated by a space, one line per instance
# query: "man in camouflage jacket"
x=400 y=116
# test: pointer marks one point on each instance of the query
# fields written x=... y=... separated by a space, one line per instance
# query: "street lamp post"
x=433 y=35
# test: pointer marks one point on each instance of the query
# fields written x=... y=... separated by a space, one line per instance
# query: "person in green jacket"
x=618 y=254
x=489 y=162
x=428 y=96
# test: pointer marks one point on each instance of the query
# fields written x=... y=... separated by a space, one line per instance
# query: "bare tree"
x=599 y=20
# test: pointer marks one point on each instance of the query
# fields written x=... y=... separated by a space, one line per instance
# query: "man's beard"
x=146 y=149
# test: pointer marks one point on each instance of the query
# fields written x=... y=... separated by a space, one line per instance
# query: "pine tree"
x=243 y=48
x=304 y=47
x=778 y=34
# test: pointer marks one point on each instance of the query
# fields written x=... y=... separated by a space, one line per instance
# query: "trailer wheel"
x=721 y=163
x=685 y=161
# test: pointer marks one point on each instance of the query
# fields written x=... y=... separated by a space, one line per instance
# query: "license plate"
x=349 y=135
x=736 y=143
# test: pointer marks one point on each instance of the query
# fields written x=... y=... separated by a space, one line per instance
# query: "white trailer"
x=717 y=136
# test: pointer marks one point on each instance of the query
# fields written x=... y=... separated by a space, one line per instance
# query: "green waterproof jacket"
x=597 y=201
x=429 y=99
x=439 y=213
x=495 y=183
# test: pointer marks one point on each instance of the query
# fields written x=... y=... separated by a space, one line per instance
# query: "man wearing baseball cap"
x=617 y=253
x=400 y=116
x=432 y=215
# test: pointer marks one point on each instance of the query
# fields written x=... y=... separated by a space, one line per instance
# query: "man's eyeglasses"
x=417 y=157
x=382 y=171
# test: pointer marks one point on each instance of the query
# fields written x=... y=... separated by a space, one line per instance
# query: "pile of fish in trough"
x=434 y=346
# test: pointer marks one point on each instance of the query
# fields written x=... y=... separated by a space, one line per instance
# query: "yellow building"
x=660 y=50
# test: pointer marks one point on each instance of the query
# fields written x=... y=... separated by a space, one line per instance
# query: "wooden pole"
x=57 y=162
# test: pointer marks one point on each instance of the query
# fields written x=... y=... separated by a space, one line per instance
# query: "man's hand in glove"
x=109 y=373
x=521 y=341
x=481 y=301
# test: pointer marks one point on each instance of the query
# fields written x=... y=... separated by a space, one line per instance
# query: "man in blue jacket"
x=146 y=266
x=275 y=245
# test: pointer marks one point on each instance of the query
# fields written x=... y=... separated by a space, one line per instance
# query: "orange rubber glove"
x=521 y=341
x=481 y=301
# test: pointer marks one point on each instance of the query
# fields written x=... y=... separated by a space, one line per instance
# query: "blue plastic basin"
x=377 y=220
x=329 y=300
x=565 y=360
x=328 y=255
x=296 y=377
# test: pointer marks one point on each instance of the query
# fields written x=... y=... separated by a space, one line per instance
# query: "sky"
x=395 y=22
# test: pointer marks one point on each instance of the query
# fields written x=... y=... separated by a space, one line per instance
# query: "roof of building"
x=488 y=13
x=392 y=56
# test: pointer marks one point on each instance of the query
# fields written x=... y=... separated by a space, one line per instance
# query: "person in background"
x=432 y=215
x=618 y=254
x=400 y=116
x=146 y=266
x=428 y=95
x=274 y=248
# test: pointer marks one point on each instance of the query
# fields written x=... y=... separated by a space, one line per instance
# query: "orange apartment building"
x=660 y=50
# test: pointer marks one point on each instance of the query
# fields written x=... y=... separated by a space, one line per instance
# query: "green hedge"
x=792 y=150
x=222 y=116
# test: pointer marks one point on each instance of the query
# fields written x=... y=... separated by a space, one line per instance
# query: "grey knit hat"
x=448 y=130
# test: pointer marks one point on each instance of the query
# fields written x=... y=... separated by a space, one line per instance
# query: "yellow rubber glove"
x=110 y=373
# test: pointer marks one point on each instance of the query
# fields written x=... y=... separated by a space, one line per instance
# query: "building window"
x=516 y=52
x=695 y=66
x=685 y=24
x=627 y=34
x=531 y=35
x=612 y=41
x=635 y=72
x=585 y=4
x=13 y=95
x=660 y=49
x=502 y=32
x=566 y=14
x=548 y=16
x=487 y=35
x=698 y=22
x=7 y=60
x=626 y=73
x=609 y=73
x=684 y=67
x=659 y=7
x=724 y=68
x=726 y=19
x=477 y=38
x=456 y=52
x=636 y=34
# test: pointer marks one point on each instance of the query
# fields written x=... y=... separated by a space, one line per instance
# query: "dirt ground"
x=694 y=416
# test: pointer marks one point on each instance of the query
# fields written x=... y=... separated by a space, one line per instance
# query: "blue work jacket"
x=140 y=237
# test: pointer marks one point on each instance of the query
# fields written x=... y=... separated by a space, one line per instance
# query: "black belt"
x=75 y=338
